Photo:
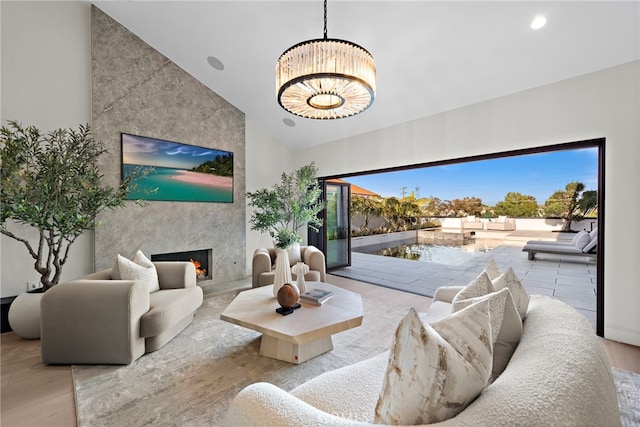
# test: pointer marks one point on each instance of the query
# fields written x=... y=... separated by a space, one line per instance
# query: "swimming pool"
x=438 y=253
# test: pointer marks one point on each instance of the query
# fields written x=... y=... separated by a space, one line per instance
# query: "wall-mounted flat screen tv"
x=176 y=171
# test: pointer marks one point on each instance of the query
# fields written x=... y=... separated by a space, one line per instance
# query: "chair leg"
x=532 y=256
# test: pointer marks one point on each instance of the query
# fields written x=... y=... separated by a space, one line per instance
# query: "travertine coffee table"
x=302 y=335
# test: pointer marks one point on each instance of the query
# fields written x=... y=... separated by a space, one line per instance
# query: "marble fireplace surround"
x=139 y=91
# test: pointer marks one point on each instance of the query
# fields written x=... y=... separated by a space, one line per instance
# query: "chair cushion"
x=168 y=308
x=436 y=370
x=582 y=239
x=139 y=268
x=294 y=254
x=591 y=245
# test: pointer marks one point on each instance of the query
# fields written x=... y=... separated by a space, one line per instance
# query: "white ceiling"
x=431 y=56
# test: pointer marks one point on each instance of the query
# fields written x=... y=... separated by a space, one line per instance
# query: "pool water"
x=437 y=253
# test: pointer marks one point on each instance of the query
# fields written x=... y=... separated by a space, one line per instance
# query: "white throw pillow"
x=582 y=239
x=294 y=254
x=578 y=235
x=520 y=296
x=140 y=268
x=436 y=370
x=492 y=269
x=506 y=326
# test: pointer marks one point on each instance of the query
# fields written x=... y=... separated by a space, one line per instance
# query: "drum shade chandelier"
x=326 y=78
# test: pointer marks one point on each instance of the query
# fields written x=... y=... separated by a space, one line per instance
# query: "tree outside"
x=565 y=204
x=517 y=205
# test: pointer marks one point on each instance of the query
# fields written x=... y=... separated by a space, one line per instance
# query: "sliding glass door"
x=334 y=237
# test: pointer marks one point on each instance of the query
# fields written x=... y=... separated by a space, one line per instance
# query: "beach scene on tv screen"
x=177 y=172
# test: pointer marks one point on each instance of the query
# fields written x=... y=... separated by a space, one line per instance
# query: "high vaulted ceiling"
x=431 y=56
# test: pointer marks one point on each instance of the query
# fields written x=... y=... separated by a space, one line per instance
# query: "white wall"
x=601 y=104
x=45 y=82
x=266 y=159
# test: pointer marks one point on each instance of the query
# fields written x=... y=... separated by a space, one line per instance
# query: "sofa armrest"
x=446 y=293
x=176 y=274
x=93 y=321
x=314 y=258
x=263 y=404
x=261 y=263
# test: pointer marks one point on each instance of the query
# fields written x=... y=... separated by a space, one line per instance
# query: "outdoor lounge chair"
x=583 y=244
x=502 y=223
x=471 y=223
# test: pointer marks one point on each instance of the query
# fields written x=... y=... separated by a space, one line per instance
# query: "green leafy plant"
x=565 y=204
x=52 y=182
x=286 y=207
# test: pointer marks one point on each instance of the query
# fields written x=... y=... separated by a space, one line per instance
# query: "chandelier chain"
x=325 y=19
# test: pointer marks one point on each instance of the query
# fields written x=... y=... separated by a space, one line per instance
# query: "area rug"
x=628 y=387
x=192 y=379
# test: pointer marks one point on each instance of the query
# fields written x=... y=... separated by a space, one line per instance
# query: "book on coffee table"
x=315 y=296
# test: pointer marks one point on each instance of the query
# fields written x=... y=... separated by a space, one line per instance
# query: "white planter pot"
x=24 y=315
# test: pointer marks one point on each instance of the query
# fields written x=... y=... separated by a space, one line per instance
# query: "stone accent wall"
x=139 y=91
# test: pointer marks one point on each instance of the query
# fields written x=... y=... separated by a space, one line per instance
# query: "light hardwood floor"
x=33 y=394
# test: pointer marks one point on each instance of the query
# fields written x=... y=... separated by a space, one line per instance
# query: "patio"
x=571 y=279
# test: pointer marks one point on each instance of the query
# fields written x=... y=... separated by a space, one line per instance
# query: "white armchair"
x=264 y=259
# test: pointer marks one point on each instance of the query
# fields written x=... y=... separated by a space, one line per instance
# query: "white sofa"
x=558 y=375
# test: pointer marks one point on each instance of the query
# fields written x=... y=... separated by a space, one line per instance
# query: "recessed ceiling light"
x=538 y=22
x=289 y=122
x=215 y=63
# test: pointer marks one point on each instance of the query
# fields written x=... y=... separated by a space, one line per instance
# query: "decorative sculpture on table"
x=288 y=296
x=300 y=269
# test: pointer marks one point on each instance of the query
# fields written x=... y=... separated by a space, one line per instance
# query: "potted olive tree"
x=288 y=206
x=282 y=210
x=52 y=183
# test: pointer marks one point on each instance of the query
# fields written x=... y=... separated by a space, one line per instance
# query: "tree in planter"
x=565 y=204
x=286 y=207
x=52 y=183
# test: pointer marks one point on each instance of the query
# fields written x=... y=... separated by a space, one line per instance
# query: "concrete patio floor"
x=571 y=279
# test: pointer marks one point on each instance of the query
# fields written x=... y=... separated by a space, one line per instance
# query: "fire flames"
x=201 y=273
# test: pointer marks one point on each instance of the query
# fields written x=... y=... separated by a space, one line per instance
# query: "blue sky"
x=537 y=175
x=140 y=150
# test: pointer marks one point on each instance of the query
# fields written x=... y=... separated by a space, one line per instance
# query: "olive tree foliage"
x=565 y=204
x=286 y=207
x=517 y=205
x=52 y=183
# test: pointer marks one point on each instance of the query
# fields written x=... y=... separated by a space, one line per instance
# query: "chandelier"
x=325 y=78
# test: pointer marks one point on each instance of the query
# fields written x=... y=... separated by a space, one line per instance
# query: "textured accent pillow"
x=140 y=268
x=492 y=269
x=506 y=326
x=436 y=370
x=520 y=296
x=582 y=240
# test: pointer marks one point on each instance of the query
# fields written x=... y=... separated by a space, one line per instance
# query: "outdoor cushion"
x=582 y=240
x=591 y=245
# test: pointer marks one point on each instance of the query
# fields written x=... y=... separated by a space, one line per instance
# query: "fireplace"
x=201 y=259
